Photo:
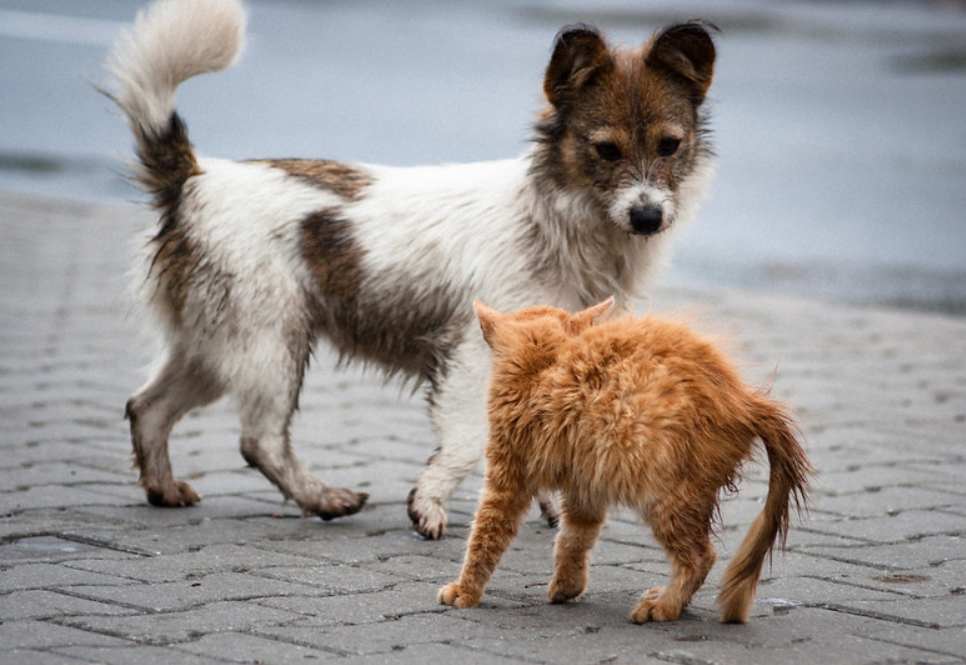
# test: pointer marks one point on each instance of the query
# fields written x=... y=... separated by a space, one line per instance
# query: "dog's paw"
x=176 y=494
x=454 y=595
x=428 y=516
x=336 y=502
x=652 y=608
x=562 y=590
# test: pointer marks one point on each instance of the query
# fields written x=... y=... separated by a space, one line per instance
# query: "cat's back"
x=647 y=358
x=648 y=341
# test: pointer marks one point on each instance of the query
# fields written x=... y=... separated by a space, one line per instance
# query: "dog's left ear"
x=686 y=51
x=579 y=55
x=584 y=319
x=489 y=319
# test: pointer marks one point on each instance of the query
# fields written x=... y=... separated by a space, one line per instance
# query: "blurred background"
x=840 y=126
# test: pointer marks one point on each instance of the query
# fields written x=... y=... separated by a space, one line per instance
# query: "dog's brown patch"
x=344 y=179
x=167 y=161
x=177 y=268
x=412 y=331
x=408 y=329
x=174 y=263
x=332 y=254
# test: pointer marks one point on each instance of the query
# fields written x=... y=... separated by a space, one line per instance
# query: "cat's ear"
x=582 y=320
x=489 y=319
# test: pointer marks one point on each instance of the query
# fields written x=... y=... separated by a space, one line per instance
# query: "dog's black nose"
x=646 y=220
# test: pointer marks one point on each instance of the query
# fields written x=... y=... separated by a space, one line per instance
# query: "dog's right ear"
x=579 y=54
x=489 y=319
x=686 y=51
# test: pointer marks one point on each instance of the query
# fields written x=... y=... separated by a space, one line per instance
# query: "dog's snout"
x=646 y=220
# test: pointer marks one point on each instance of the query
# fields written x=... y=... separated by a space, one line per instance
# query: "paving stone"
x=197 y=590
x=372 y=638
x=888 y=501
x=908 y=525
x=40 y=657
x=945 y=645
x=141 y=654
x=335 y=577
x=351 y=608
x=946 y=612
x=241 y=647
x=26 y=576
x=801 y=591
x=431 y=654
x=167 y=628
x=196 y=564
x=50 y=549
x=46 y=634
x=43 y=604
x=914 y=553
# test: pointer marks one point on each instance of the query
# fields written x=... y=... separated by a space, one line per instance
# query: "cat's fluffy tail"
x=787 y=485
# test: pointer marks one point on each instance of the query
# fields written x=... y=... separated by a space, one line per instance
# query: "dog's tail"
x=171 y=41
x=787 y=484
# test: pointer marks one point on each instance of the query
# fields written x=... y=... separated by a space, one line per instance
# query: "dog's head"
x=625 y=126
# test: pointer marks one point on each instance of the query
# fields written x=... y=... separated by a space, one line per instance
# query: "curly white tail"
x=172 y=40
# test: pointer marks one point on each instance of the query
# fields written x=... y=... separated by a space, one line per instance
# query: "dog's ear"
x=579 y=54
x=584 y=319
x=685 y=51
x=489 y=320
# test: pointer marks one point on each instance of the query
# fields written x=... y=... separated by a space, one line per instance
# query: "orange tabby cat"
x=639 y=412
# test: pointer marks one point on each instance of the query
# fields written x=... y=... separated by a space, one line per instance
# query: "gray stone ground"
x=90 y=573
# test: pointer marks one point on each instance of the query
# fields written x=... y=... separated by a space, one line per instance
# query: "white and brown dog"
x=253 y=261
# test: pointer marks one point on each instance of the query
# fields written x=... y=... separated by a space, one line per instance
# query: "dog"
x=254 y=261
x=639 y=412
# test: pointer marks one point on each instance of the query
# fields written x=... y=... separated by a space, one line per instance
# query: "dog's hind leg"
x=180 y=386
x=266 y=406
x=458 y=410
x=267 y=447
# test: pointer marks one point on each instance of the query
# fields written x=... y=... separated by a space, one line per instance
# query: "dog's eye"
x=668 y=146
x=608 y=151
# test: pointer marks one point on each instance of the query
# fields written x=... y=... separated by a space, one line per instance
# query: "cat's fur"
x=639 y=412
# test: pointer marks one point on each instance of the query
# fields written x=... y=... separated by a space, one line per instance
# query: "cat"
x=640 y=412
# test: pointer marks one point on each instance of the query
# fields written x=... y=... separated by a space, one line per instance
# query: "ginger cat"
x=639 y=412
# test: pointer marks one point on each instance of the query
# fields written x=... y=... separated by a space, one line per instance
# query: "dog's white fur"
x=238 y=293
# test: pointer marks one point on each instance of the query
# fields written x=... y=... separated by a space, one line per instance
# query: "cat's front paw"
x=454 y=595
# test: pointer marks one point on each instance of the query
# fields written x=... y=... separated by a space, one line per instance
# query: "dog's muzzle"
x=646 y=220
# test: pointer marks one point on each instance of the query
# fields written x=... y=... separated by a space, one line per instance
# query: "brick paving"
x=90 y=573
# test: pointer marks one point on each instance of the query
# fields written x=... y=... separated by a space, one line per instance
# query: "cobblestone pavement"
x=90 y=573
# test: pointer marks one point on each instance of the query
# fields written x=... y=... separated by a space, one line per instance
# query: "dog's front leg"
x=458 y=410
